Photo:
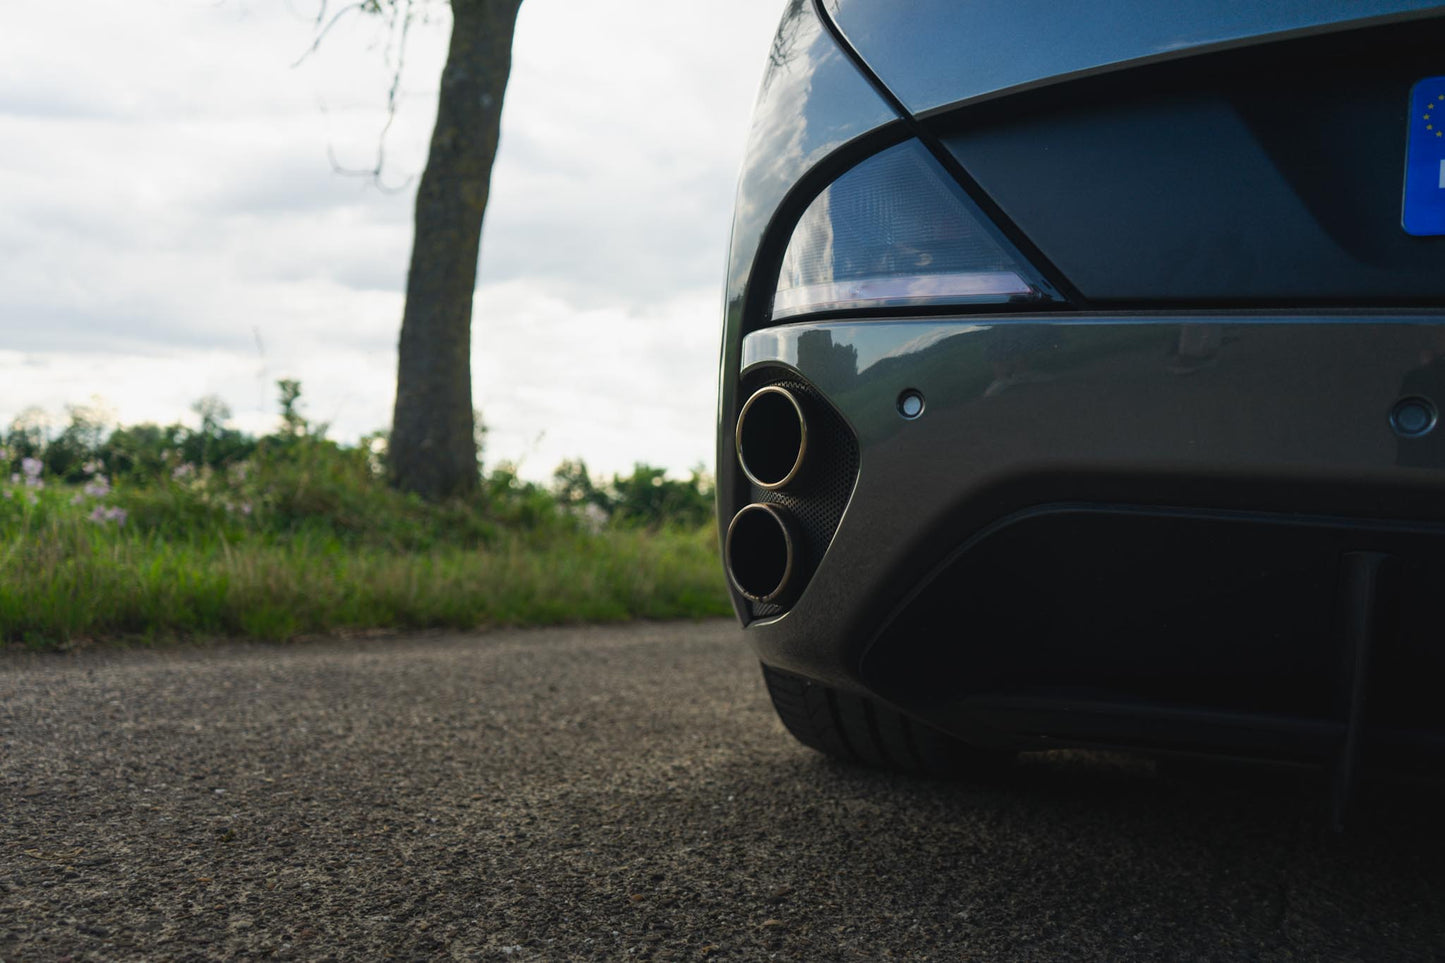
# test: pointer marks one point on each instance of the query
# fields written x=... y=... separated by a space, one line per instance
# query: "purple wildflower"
x=98 y=487
x=100 y=514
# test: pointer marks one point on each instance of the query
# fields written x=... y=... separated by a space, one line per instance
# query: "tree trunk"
x=433 y=449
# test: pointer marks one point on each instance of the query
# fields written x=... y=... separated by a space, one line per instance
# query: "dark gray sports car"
x=1080 y=380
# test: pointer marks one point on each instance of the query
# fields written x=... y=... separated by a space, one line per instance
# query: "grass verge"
x=73 y=584
x=300 y=536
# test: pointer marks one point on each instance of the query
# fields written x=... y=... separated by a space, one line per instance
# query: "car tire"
x=857 y=729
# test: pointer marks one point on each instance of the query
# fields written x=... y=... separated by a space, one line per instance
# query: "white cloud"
x=643 y=391
x=168 y=200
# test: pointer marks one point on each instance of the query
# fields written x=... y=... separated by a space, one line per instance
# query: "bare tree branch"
x=400 y=16
x=363 y=5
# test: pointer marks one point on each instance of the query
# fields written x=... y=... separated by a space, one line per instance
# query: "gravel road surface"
x=625 y=793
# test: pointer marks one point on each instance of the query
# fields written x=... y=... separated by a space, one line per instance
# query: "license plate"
x=1424 y=210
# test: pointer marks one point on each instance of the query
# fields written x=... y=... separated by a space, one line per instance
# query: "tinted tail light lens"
x=898 y=231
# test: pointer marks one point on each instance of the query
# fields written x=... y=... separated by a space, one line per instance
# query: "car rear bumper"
x=1136 y=530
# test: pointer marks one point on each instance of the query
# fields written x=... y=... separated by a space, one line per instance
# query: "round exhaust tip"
x=772 y=437
x=759 y=552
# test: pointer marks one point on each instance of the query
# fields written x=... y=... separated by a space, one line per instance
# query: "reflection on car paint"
x=914 y=47
x=1199 y=391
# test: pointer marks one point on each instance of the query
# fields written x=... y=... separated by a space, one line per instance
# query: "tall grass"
x=308 y=539
x=65 y=583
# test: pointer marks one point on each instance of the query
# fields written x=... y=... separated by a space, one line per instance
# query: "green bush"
x=159 y=532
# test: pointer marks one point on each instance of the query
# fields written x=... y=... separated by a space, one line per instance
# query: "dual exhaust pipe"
x=772 y=438
x=761 y=550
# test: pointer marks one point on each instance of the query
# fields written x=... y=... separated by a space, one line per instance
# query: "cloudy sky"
x=172 y=223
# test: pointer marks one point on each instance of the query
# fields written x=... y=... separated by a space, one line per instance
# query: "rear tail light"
x=898 y=231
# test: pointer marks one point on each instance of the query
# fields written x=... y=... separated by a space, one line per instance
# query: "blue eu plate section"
x=1425 y=160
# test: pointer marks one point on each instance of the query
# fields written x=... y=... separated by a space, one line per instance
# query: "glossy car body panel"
x=1104 y=410
x=812 y=102
x=916 y=48
x=1222 y=424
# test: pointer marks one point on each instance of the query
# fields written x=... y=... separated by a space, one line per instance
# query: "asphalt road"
x=625 y=793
